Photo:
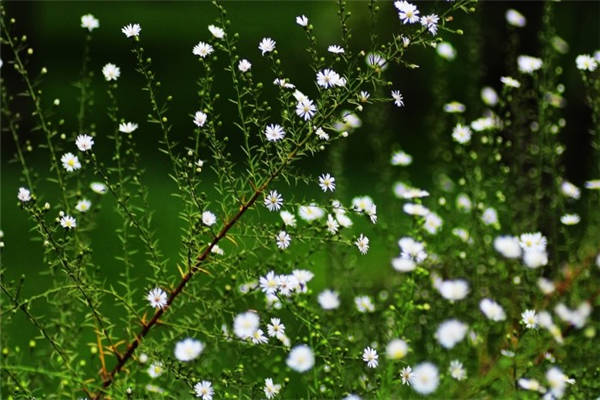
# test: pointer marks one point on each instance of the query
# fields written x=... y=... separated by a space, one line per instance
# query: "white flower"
x=510 y=82
x=332 y=225
x=301 y=358
x=412 y=249
x=335 y=49
x=535 y=258
x=216 y=31
x=446 y=51
x=454 y=107
x=157 y=298
x=68 y=222
x=302 y=20
x=266 y=45
x=586 y=63
x=489 y=96
x=529 y=319
x=415 y=209
x=200 y=119
x=457 y=371
x=364 y=304
x=131 y=30
x=84 y=142
x=396 y=349
x=70 y=162
x=570 y=190
x=208 y=218
x=570 y=219
x=407 y=12
x=594 y=184
x=515 y=18
x=245 y=324
x=321 y=134
x=451 y=332
x=271 y=389
x=492 y=310
x=204 y=389
x=283 y=240
x=202 y=49
x=127 y=127
x=557 y=381
x=276 y=328
x=489 y=216
x=401 y=158
x=258 y=337
x=310 y=212
x=288 y=218
x=269 y=283
x=461 y=134
x=89 y=22
x=453 y=289
x=377 y=61
x=545 y=285
x=363 y=97
x=532 y=241
x=431 y=23
x=305 y=109
x=398 y=99
x=111 y=72
x=528 y=64
x=188 y=349
x=433 y=223
x=402 y=264
x=362 y=243
x=531 y=384
x=274 y=132
x=508 y=246
x=244 y=65
x=217 y=250
x=328 y=78
x=83 y=205
x=156 y=369
x=24 y=195
x=328 y=299
x=303 y=276
x=327 y=182
x=407 y=375
x=370 y=356
x=98 y=187
x=273 y=201
x=425 y=378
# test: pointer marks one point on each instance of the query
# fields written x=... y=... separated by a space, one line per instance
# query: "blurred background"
x=171 y=29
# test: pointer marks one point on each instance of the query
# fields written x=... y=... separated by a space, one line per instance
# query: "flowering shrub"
x=490 y=284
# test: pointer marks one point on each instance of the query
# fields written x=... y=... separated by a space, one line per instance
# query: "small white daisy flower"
x=216 y=31
x=188 y=349
x=461 y=134
x=83 y=205
x=84 y=142
x=328 y=300
x=271 y=389
x=302 y=20
x=208 y=218
x=301 y=358
x=111 y=72
x=398 y=99
x=510 y=82
x=327 y=182
x=204 y=390
x=156 y=369
x=362 y=243
x=157 y=298
x=446 y=51
x=529 y=319
x=269 y=283
x=244 y=65
x=275 y=328
x=70 y=162
x=283 y=240
x=407 y=375
x=274 y=132
x=245 y=324
x=457 y=370
x=288 y=218
x=24 y=195
x=266 y=45
x=364 y=304
x=515 y=18
x=585 y=62
x=127 y=127
x=98 y=187
x=371 y=357
x=68 y=222
x=202 y=49
x=570 y=219
x=396 y=349
x=273 y=201
x=89 y=22
x=131 y=30
x=335 y=49
x=528 y=64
